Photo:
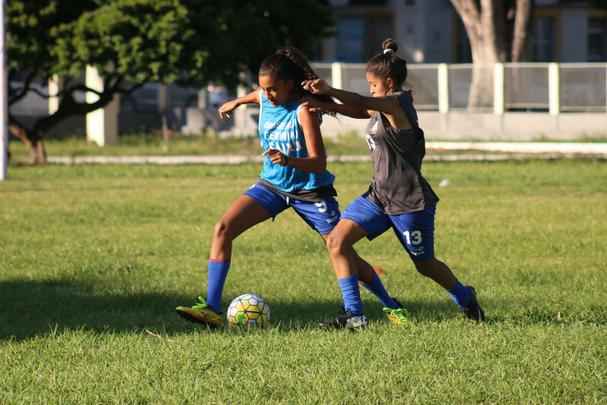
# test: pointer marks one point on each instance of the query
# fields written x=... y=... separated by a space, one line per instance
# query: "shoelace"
x=399 y=312
x=200 y=303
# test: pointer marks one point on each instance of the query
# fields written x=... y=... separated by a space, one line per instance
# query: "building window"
x=542 y=42
x=350 y=36
x=597 y=40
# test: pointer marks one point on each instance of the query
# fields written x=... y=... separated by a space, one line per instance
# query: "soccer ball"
x=248 y=310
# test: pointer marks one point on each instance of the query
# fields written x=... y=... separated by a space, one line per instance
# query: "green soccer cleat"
x=397 y=316
x=201 y=313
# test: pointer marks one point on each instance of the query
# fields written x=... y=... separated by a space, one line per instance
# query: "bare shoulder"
x=306 y=114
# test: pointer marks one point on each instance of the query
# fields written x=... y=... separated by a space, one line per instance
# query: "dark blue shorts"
x=415 y=230
x=321 y=216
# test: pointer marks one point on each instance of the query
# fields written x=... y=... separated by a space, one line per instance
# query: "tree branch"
x=488 y=22
x=521 y=20
x=470 y=15
x=68 y=106
x=26 y=87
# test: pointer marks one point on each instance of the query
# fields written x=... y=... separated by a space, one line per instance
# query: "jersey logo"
x=370 y=143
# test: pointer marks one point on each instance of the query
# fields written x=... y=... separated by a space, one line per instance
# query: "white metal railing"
x=552 y=87
x=527 y=87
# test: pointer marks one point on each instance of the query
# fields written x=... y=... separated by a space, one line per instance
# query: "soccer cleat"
x=346 y=321
x=397 y=316
x=473 y=310
x=201 y=313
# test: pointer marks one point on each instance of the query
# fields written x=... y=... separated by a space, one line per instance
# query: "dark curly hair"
x=290 y=63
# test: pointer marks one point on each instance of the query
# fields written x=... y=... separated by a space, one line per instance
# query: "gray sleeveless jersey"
x=398 y=185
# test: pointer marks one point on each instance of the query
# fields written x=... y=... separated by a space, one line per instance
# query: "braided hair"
x=290 y=63
x=388 y=65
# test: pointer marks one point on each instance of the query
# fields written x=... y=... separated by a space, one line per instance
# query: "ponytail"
x=389 y=65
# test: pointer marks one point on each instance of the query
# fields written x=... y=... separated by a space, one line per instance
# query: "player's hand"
x=226 y=109
x=277 y=157
x=317 y=86
x=315 y=105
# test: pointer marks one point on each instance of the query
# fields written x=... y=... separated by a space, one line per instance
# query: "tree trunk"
x=486 y=31
x=521 y=22
x=34 y=142
x=38 y=152
x=481 y=88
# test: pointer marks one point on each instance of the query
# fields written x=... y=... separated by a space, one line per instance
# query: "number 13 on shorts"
x=413 y=237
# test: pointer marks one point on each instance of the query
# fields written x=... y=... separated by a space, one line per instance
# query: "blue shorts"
x=415 y=230
x=321 y=216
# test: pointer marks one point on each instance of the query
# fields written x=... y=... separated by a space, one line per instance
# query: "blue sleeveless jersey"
x=279 y=129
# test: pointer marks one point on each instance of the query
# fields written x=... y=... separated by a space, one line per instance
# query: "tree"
x=132 y=42
x=497 y=31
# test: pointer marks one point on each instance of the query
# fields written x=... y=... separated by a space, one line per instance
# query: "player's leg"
x=244 y=213
x=416 y=233
x=345 y=262
x=370 y=221
x=463 y=296
x=324 y=217
x=257 y=205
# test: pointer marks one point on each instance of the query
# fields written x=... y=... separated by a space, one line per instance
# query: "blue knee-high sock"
x=461 y=295
x=217 y=273
x=377 y=288
x=351 y=294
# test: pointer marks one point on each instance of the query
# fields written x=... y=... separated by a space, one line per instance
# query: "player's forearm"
x=315 y=164
x=349 y=110
x=251 y=98
x=348 y=98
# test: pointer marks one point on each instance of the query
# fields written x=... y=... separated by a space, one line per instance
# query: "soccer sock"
x=460 y=295
x=217 y=273
x=351 y=294
x=377 y=288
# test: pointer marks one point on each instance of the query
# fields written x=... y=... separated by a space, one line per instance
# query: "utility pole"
x=3 y=96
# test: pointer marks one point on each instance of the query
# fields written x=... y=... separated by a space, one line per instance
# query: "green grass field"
x=152 y=144
x=95 y=258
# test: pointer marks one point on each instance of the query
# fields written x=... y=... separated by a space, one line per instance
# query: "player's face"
x=277 y=91
x=379 y=86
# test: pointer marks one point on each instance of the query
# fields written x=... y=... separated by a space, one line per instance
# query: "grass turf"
x=95 y=258
x=146 y=144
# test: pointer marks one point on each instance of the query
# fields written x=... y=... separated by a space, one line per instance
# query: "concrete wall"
x=511 y=126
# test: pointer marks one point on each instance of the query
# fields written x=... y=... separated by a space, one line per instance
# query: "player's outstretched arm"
x=348 y=110
x=387 y=104
x=226 y=108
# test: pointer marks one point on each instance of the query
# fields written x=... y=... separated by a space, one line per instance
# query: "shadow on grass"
x=38 y=308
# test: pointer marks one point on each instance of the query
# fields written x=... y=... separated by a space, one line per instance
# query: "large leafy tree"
x=132 y=42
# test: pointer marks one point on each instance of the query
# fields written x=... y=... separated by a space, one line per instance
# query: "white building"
x=430 y=31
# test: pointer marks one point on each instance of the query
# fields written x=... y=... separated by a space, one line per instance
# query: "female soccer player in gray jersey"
x=399 y=197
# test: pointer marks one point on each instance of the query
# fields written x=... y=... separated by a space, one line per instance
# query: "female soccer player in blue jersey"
x=293 y=175
x=399 y=197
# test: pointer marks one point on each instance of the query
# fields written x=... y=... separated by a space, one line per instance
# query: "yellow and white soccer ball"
x=248 y=311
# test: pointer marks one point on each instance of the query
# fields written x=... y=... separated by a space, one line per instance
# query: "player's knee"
x=221 y=229
x=336 y=244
